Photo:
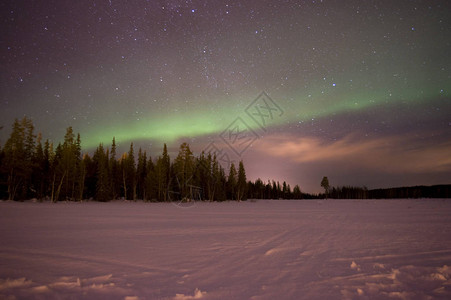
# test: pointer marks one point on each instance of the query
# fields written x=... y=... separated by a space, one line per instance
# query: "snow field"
x=331 y=249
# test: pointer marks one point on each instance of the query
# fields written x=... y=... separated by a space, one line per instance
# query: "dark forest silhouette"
x=32 y=169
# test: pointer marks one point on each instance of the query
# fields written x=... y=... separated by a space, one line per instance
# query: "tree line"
x=31 y=168
x=355 y=192
x=352 y=192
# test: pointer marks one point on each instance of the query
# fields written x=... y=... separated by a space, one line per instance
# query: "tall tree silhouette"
x=325 y=185
x=241 y=183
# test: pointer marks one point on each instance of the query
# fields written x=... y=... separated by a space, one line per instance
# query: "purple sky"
x=358 y=92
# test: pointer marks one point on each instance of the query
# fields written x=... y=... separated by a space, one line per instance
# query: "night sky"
x=359 y=91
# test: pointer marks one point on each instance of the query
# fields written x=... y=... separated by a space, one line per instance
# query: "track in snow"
x=345 y=249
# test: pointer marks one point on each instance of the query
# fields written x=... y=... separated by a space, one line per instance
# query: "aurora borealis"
x=364 y=86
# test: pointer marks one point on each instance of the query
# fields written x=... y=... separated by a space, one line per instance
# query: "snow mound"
x=14 y=283
x=198 y=294
x=379 y=266
x=406 y=282
x=355 y=266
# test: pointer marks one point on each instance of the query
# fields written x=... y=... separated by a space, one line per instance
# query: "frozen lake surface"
x=331 y=249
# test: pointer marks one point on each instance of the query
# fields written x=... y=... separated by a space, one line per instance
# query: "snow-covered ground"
x=329 y=249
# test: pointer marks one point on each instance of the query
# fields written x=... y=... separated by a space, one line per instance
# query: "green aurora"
x=202 y=120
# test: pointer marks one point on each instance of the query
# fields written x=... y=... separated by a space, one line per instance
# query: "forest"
x=33 y=169
x=421 y=191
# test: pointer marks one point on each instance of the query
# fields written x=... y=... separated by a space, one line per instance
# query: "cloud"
x=391 y=154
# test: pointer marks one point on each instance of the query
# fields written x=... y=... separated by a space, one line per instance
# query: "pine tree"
x=151 y=181
x=297 y=192
x=232 y=182
x=201 y=174
x=325 y=185
x=211 y=178
x=30 y=137
x=46 y=171
x=68 y=162
x=38 y=176
x=66 y=167
x=132 y=171
x=59 y=173
x=81 y=179
x=128 y=169
x=259 y=189
x=284 y=190
x=241 y=183
x=141 y=174
x=184 y=171
x=115 y=176
x=90 y=183
x=221 y=182
x=18 y=159
x=162 y=172
x=102 y=184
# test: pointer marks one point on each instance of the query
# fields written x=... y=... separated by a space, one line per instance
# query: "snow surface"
x=331 y=249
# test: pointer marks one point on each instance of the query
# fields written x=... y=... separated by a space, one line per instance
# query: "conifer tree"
x=38 y=176
x=151 y=181
x=66 y=167
x=131 y=170
x=115 y=176
x=259 y=188
x=129 y=174
x=211 y=178
x=221 y=182
x=232 y=182
x=91 y=177
x=200 y=177
x=68 y=161
x=241 y=183
x=297 y=192
x=162 y=171
x=141 y=174
x=102 y=184
x=184 y=171
x=81 y=179
x=59 y=173
x=325 y=185
x=18 y=159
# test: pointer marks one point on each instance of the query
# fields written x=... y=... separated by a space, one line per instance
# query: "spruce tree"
x=297 y=192
x=184 y=171
x=232 y=182
x=58 y=175
x=241 y=183
x=18 y=159
x=38 y=176
x=67 y=166
x=141 y=174
x=212 y=175
x=325 y=185
x=115 y=176
x=128 y=169
x=221 y=182
x=91 y=177
x=151 y=181
x=162 y=172
x=102 y=184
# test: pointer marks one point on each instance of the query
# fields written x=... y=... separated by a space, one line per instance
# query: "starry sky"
x=359 y=91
